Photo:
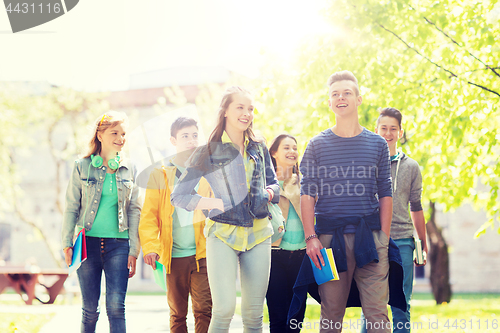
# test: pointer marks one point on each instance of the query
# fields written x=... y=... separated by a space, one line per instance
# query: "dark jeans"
x=285 y=266
x=110 y=255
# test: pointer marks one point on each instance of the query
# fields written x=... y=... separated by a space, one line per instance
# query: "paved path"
x=144 y=314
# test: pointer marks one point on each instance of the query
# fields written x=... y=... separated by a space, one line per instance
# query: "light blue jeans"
x=400 y=319
x=222 y=265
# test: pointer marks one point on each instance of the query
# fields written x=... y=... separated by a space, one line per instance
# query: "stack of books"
x=418 y=254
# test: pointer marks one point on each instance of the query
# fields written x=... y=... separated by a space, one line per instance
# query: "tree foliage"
x=436 y=61
x=33 y=124
x=66 y=126
x=16 y=110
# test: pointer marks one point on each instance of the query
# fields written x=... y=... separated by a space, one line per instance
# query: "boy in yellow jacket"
x=174 y=236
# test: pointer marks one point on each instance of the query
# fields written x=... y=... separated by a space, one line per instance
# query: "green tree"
x=55 y=121
x=438 y=63
x=14 y=114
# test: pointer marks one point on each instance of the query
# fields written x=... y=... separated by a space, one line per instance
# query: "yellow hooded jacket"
x=156 y=224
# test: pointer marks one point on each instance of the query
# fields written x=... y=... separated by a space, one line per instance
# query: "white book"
x=418 y=254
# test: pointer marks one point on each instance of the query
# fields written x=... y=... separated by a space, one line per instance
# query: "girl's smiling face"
x=287 y=154
x=239 y=114
x=113 y=138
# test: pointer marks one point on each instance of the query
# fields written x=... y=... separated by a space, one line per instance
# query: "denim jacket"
x=84 y=194
x=305 y=283
x=364 y=248
x=224 y=170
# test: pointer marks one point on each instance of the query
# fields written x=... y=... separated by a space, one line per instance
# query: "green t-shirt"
x=184 y=242
x=393 y=157
x=294 y=238
x=106 y=220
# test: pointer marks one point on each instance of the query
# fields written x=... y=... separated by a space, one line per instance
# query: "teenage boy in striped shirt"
x=347 y=167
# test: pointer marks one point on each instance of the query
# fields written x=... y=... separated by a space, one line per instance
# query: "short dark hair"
x=180 y=123
x=390 y=112
x=343 y=76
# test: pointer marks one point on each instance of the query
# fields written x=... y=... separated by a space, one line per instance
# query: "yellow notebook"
x=327 y=272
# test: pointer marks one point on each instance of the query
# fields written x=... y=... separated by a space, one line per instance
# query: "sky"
x=99 y=44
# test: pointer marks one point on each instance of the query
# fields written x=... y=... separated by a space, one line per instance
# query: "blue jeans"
x=110 y=255
x=222 y=266
x=285 y=266
x=401 y=320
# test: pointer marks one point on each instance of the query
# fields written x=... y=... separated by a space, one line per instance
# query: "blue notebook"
x=79 y=252
x=327 y=272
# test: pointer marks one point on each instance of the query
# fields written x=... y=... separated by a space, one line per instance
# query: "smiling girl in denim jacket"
x=287 y=252
x=102 y=198
x=238 y=229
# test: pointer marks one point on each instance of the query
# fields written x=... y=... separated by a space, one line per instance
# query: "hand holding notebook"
x=327 y=272
x=79 y=252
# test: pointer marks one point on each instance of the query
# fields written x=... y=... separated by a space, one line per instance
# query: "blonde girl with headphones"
x=103 y=198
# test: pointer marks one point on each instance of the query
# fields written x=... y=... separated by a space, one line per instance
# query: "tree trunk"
x=439 y=260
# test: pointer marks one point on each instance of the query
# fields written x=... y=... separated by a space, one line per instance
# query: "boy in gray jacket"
x=407 y=189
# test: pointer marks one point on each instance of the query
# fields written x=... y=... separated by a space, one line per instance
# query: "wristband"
x=271 y=194
x=308 y=238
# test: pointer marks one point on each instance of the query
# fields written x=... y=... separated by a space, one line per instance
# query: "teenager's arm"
x=313 y=245
x=385 y=204
x=416 y=211
x=418 y=219
x=384 y=187
x=149 y=224
x=210 y=203
x=183 y=196
x=73 y=206
x=272 y=185
x=134 y=215
x=151 y=259
x=309 y=191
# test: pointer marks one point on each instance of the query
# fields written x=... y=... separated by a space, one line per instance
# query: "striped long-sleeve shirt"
x=347 y=174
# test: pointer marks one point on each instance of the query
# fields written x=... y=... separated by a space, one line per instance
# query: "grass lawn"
x=23 y=322
x=465 y=313
x=18 y=322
